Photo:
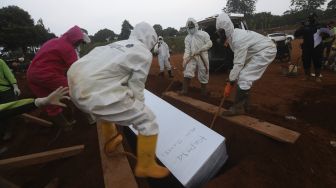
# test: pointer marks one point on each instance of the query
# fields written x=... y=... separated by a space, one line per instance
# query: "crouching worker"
x=252 y=54
x=109 y=83
x=48 y=69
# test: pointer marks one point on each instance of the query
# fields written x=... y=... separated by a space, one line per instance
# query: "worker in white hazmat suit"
x=197 y=43
x=162 y=49
x=252 y=54
x=109 y=83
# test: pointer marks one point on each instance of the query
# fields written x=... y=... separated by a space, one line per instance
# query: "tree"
x=307 y=5
x=158 y=29
x=332 y=5
x=183 y=31
x=171 y=32
x=104 y=35
x=262 y=20
x=126 y=28
x=41 y=34
x=240 y=6
x=17 y=29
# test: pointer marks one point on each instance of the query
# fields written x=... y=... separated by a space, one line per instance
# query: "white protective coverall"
x=252 y=52
x=109 y=82
x=197 y=42
x=163 y=55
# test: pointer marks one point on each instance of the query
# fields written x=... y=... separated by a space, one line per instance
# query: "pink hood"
x=73 y=35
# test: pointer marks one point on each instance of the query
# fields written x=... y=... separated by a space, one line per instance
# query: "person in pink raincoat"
x=48 y=69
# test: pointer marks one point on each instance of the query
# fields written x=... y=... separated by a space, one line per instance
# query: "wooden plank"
x=54 y=183
x=117 y=171
x=7 y=184
x=38 y=158
x=265 y=128
x=38 y=120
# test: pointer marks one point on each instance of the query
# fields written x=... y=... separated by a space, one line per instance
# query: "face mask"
x=192 y=31
x=78 y=50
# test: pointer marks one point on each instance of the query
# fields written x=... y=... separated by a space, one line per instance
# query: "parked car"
x=283 y=43
x=220 y=57
x=290 y=37
x=276 y=37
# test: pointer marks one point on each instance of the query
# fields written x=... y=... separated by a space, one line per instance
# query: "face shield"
x=191 y=27
x=86 y=38
x=160 y=40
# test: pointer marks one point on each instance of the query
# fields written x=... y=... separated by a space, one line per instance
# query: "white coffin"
x=191 y=151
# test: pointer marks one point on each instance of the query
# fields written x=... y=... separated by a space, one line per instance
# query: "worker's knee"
x=147 y=128
x=244 y=85
x=189 y=73
x=146 y=124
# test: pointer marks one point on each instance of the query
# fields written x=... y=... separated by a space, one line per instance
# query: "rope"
x=114 y=153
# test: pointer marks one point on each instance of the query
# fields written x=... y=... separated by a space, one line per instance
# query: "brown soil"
x=254 y=160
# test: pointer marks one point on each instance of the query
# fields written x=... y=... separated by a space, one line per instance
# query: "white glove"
x=54 y=98
x=17 y=91
x=197 y=52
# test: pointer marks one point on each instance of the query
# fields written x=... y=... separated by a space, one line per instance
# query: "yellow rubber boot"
x=112 y=144
x=110 y=134
x=146 y=165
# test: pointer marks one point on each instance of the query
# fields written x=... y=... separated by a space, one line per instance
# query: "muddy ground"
x=254 y=160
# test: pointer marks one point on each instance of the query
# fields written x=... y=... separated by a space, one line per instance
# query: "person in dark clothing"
x=312 y=48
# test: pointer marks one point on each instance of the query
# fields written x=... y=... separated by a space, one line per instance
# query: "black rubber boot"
x=170 y=74
x=203 y=90
x=240 y=105
x=185 y=87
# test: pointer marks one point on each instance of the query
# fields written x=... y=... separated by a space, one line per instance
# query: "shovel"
x=217 y=113
x=171 y=83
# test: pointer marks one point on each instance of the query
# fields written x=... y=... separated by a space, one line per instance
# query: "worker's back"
x=106 y=70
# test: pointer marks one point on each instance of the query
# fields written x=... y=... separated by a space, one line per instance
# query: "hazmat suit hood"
x=192 y=20
x=74 y=35
x=145 y=33
x=223 y=21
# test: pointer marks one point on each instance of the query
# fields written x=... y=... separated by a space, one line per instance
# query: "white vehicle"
x=220 y=57
x=282 y=42
x=278 y=37
x=290 y=37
